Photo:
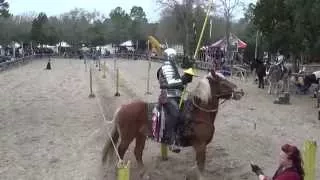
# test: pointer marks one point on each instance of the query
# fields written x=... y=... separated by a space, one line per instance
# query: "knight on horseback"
x=172 y=86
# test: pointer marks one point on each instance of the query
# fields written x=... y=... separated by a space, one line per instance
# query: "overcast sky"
x=56 y=7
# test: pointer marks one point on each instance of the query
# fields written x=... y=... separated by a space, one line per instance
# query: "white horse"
x=279 y=78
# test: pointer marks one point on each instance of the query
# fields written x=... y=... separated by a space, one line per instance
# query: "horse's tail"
x=114 y=135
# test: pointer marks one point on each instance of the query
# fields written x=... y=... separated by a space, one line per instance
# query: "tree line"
x=288 y=26
x=180 y=23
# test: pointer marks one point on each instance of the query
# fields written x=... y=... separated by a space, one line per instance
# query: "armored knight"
x=172 y=86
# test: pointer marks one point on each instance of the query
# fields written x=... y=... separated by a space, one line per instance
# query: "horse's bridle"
x=219 y=95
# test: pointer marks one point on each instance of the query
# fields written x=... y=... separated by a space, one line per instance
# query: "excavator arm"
x=156 y=46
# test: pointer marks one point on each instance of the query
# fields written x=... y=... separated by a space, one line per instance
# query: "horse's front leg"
x=278 y=88
x=197 y=171
x=270 y=87
x=200 y=156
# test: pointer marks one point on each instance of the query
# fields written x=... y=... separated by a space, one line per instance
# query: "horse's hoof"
x=145 y=177
x=143 y=174
x=191 y=177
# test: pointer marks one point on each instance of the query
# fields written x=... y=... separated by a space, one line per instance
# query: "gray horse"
x=279 y=78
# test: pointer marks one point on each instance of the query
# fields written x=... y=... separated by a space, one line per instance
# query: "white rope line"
x=105 y=120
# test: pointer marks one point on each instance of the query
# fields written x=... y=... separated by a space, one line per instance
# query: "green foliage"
x=137 y=14
x=120 y=24
x=79 y=27
x=38 y=34
x=4 y=9
x=138 y=22
x=97 y=36
x=288 y=25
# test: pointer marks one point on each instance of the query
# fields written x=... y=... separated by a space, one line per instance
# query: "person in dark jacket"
x=261 y=72
x=290 y=167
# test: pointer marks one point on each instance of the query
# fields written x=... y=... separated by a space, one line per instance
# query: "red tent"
x=222 y=43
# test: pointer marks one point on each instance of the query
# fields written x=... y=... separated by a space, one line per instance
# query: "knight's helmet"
x=170 y=54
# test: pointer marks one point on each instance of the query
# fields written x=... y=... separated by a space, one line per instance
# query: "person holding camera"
x=290 y=167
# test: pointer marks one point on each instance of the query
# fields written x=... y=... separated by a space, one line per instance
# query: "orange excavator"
x=156 y=47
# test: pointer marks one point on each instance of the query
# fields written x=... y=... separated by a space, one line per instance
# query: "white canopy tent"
x=63 y=44
x=127 y=43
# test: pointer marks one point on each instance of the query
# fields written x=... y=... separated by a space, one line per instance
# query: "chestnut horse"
x=130 y=120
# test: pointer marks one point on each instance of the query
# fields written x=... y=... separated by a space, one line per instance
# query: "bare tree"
x=228 y=7
x=183 y=10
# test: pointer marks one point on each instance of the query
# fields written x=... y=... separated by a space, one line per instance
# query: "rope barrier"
x=105 y=120
x=123 y=169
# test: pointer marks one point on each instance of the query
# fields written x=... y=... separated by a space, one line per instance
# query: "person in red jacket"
x=290 y=167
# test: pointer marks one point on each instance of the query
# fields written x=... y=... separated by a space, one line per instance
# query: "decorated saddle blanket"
x=157 y=121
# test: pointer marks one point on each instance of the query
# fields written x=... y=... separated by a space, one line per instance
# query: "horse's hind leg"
x=123 y=146
x=138 y=150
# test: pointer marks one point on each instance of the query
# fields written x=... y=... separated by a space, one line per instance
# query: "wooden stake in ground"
x=117 y=83
x=149 y=68
x=104 y=69
x=148 y=80
x=85 y=63
x=91 y=95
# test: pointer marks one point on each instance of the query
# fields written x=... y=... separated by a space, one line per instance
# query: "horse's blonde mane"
x=203 y=90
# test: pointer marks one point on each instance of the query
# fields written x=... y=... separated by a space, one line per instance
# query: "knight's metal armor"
x=170 y=80
x=171 y=86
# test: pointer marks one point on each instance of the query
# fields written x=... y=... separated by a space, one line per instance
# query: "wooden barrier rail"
x=308 y=69
x=10 y=64
x=203 y=65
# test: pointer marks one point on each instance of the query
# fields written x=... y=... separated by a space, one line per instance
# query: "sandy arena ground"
x=50 y=129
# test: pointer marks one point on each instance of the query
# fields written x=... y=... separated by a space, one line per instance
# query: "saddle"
x=157 y=123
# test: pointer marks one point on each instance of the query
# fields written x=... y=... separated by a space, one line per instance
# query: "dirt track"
x=50 y=129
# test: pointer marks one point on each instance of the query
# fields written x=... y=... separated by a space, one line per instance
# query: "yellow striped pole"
x=202 y=31
x=182 y=96
x=309 y=159
x=164 y=152
x=123 y=171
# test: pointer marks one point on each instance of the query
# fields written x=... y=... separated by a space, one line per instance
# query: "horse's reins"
x=210 y=110
x=205 y=109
